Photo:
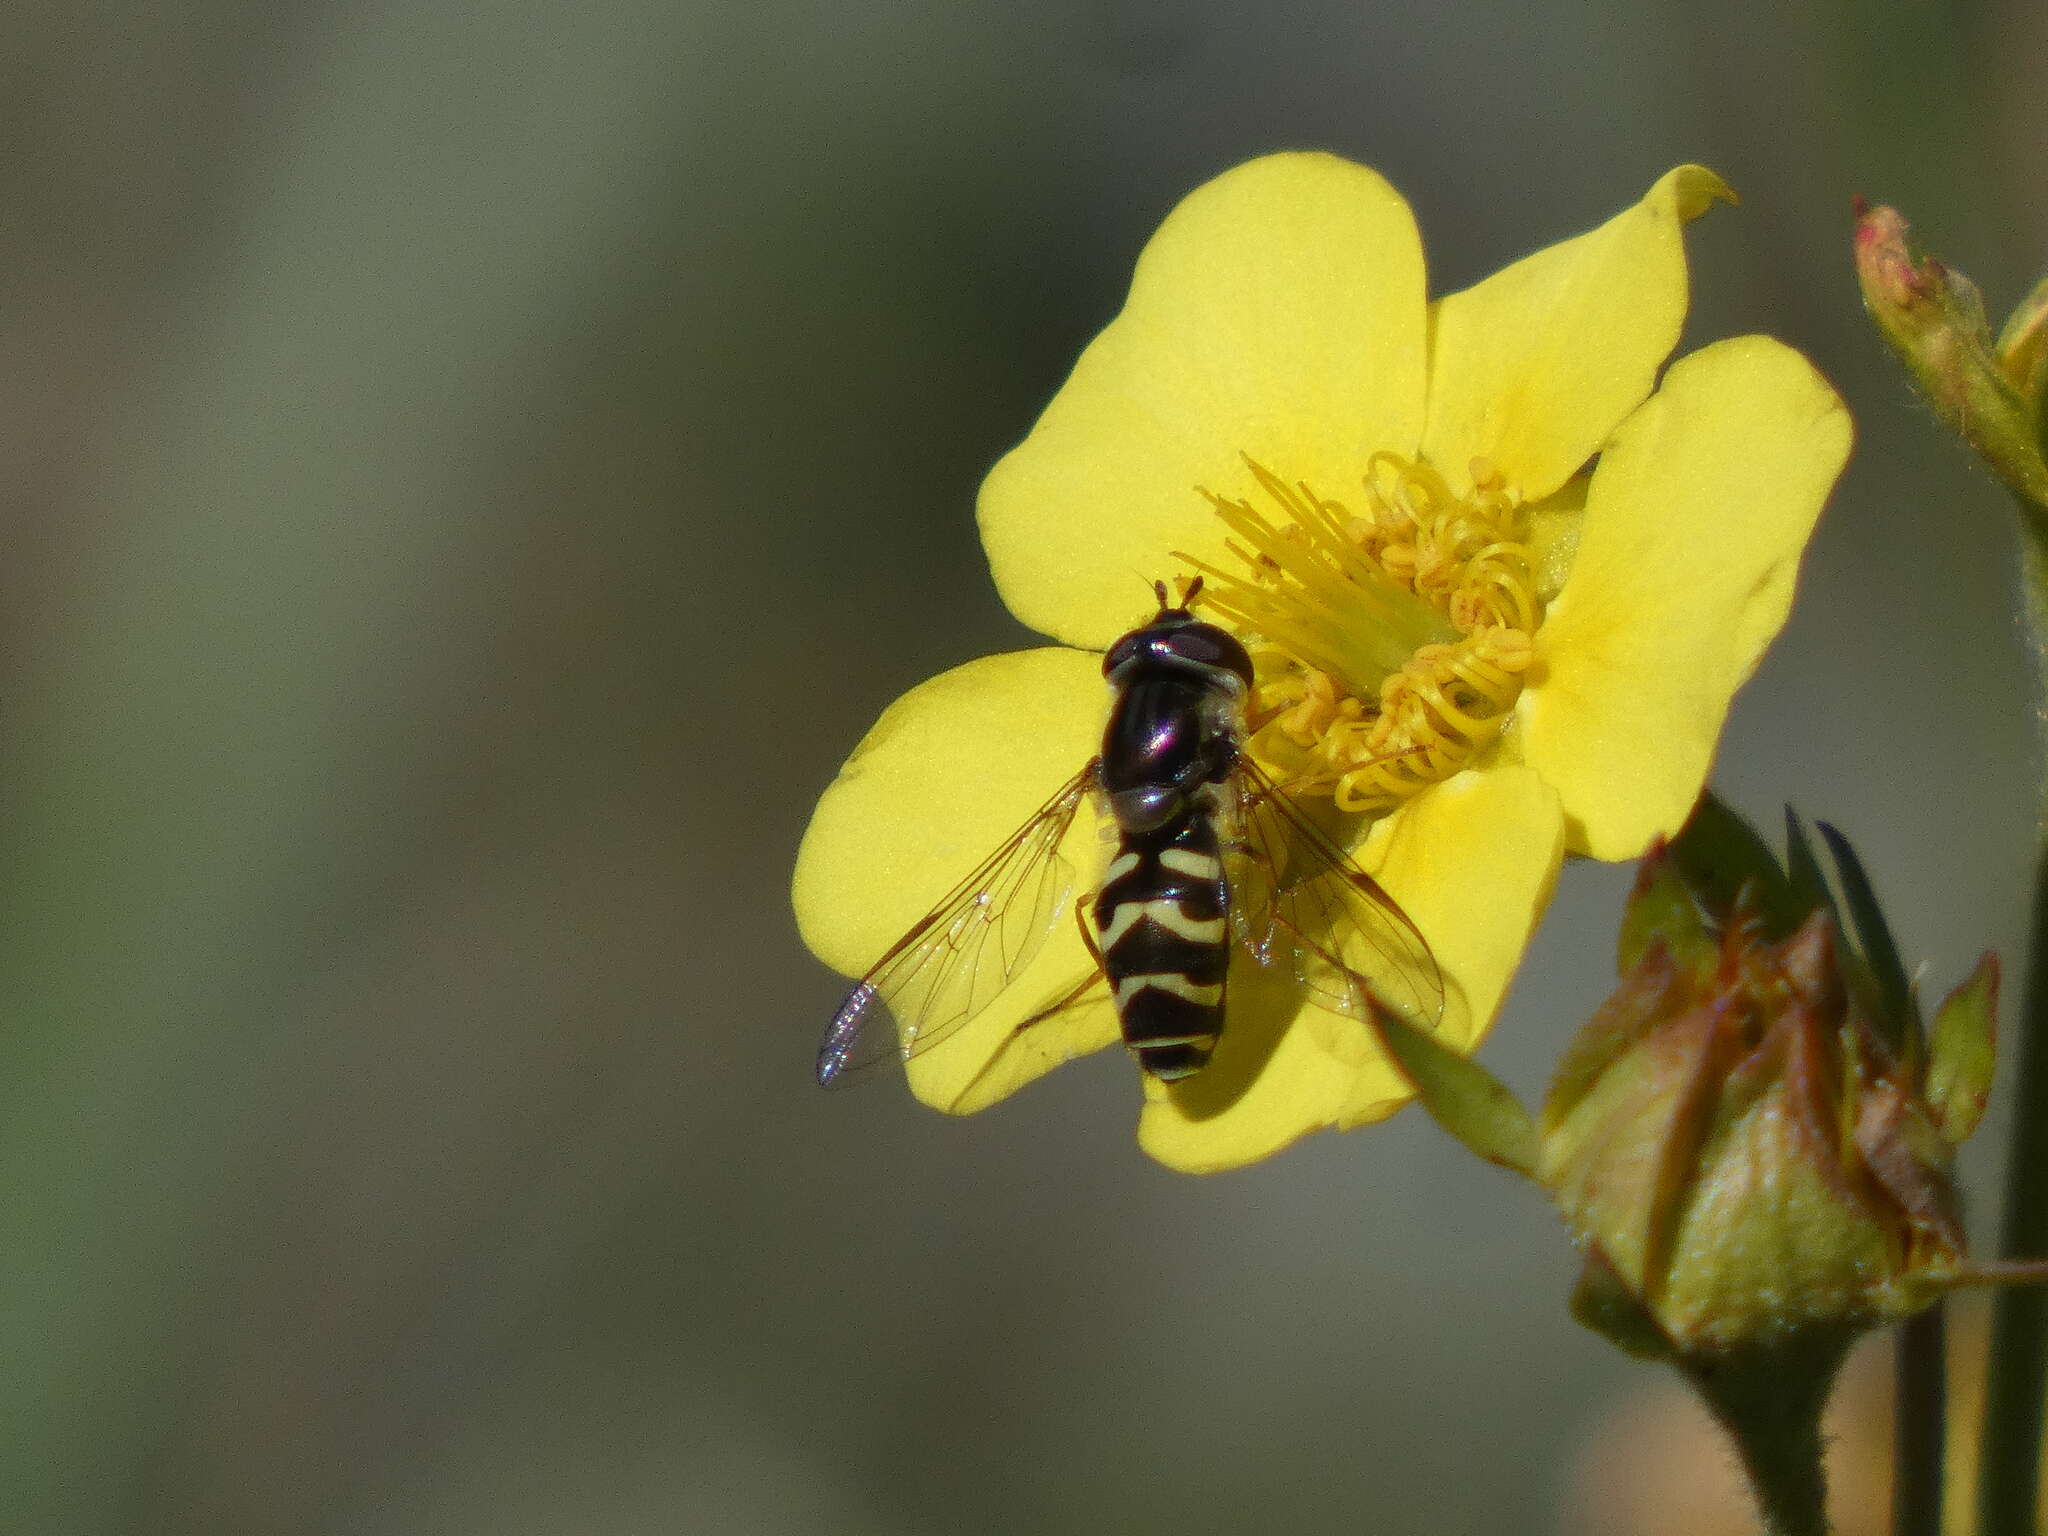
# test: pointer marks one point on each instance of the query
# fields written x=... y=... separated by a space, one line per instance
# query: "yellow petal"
x=1277 y=313
x=948 y=773
x=1472 y=862
x=1535 y=366
x=1695 y=521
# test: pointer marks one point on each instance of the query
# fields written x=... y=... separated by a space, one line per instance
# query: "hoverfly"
x=1212 y=859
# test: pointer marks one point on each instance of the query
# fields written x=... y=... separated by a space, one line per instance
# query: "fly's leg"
x=1081 y=909
x=1081 y=988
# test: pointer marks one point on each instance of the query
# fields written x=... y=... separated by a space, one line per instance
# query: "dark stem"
x=1918 y=1441
x=1769 y=1400
x=2011 y=1457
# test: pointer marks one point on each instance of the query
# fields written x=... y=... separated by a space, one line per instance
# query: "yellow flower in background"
x=1482 y=653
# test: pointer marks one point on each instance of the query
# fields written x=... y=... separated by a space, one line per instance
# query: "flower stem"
x=1918 y=1440
x=2010 y=1458
x=2034 y=603
x=1769 y=1401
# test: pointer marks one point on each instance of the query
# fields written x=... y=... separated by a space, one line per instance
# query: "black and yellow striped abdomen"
x=1161 y=920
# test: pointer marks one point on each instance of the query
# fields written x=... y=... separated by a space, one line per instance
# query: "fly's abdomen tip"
x=1172 y=1060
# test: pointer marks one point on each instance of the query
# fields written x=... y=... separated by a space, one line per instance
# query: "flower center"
x=1389 y=640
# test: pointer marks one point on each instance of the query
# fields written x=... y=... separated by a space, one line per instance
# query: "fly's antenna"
x=1192 y=591
x=1159 y=591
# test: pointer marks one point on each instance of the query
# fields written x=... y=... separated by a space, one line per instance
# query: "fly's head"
x=1177 y=643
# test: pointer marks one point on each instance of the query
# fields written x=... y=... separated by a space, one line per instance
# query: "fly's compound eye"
x=1124 y=651
x=1207 y=646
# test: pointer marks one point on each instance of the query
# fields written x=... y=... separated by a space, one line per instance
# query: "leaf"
x=1963 y=1052
x=1461 y=1096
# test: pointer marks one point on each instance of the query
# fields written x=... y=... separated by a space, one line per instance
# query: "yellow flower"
x=1482 y=654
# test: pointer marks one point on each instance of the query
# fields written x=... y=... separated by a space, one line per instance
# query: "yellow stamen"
x=1389 y=644
x=1313 y=588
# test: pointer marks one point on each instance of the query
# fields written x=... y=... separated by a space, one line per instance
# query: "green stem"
x=2010 y=1460
x=2034 y=602
x=1769 y=1399
x=1918 y=1440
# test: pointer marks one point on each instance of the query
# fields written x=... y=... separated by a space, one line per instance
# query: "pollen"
x=1389 y=634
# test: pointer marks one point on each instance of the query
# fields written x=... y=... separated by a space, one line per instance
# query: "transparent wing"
x=965 y=952
x=1299 y=901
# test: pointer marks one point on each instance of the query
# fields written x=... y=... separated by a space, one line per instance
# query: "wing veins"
x=937 y=977
x=1318 y=895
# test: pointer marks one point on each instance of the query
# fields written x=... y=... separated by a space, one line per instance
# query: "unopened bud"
x=1746 y=1150
x=1752 y=1139
x=1933 y=316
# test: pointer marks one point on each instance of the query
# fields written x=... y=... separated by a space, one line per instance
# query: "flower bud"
x=1751 y=1140
x=1933 y=316
x=1740 y=1143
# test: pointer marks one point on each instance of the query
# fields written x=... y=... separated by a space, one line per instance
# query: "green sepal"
x=1802 y=866
x=1962 y=1053
x=1661 y=909
x=1648 y=993
x=2022 y=346
x=1602 y=1302
x=1726 y=863
x=1872 y=935
x=1461 y=1096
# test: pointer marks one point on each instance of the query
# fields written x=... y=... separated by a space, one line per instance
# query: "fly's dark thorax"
x=1162 y=914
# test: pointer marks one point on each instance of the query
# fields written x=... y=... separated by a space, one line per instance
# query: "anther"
x=1389 y=639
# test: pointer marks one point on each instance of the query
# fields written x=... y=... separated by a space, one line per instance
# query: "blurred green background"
x=474 y=471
